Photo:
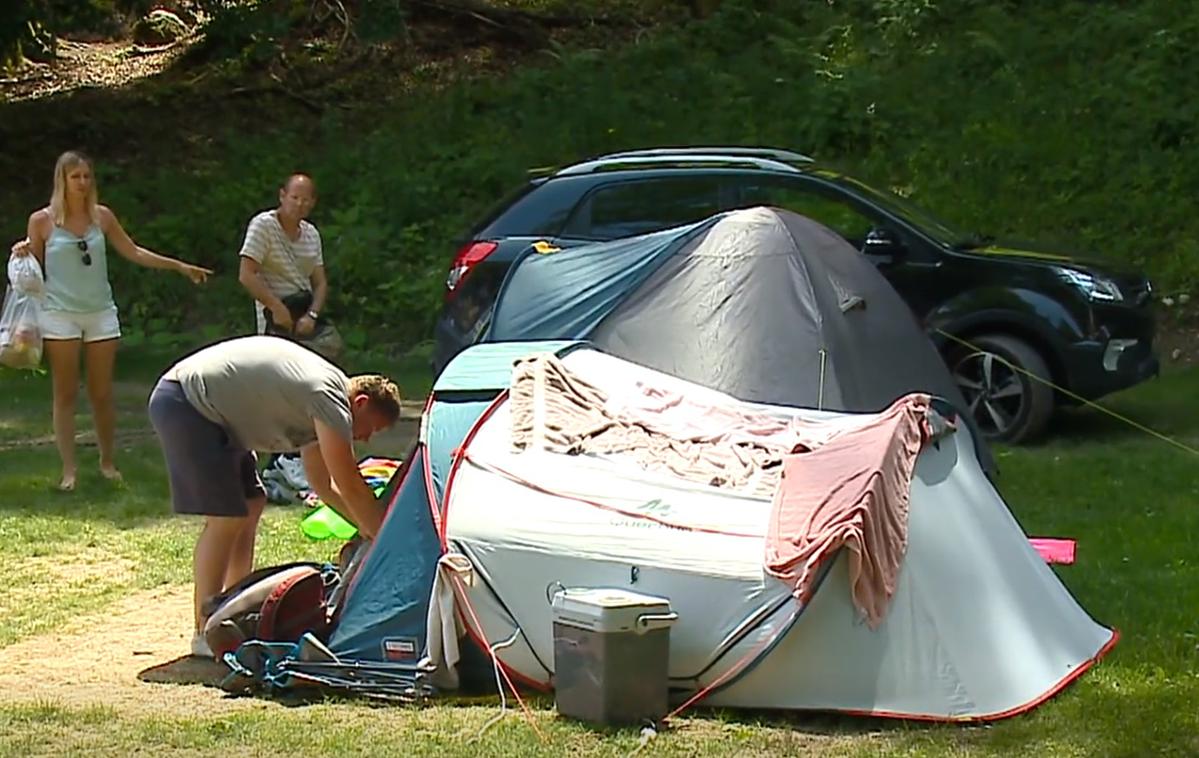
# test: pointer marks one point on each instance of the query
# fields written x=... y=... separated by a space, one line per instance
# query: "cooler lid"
x=607 y=609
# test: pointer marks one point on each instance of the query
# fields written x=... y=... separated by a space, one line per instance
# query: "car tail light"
x=467 y=257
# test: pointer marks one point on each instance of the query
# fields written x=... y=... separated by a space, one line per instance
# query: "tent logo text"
x=399 y=648
x=655 y=507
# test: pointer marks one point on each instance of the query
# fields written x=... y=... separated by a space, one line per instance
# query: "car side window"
x=835 y=213
x=639 y=207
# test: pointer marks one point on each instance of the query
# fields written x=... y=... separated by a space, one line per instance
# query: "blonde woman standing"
x=70 y=239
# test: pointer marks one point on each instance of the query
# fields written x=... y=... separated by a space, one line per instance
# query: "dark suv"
x=997 y=314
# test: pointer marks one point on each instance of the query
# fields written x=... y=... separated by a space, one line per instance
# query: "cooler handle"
x=648 y=622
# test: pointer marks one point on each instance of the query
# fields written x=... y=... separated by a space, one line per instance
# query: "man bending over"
x=214 y=407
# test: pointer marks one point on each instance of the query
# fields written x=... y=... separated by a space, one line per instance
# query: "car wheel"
x=1006 y=403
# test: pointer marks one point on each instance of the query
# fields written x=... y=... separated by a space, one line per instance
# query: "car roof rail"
x=786 y=156
x=675 y=160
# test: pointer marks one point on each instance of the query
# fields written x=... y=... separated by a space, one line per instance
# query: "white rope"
x=647 y=734
x=495 y=662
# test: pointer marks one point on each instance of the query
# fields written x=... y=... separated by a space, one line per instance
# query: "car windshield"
x=913 y=213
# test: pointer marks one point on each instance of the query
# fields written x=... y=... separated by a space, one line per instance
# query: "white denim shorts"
x=89 y=327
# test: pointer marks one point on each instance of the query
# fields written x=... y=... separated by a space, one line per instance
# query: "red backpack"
x=274 y=604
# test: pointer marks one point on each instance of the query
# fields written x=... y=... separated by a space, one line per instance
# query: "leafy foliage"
x=1066 y=123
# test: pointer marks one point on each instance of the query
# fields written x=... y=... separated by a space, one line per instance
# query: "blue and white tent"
x=479 y=534
x=386 y=608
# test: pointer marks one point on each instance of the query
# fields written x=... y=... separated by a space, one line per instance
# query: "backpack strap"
x=254 y=577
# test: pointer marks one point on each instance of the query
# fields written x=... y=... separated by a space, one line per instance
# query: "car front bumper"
x=1098 y=368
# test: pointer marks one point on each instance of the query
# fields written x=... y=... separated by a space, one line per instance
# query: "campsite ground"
x=94 y=618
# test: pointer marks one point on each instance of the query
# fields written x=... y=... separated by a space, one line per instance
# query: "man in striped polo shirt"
x=282 y=263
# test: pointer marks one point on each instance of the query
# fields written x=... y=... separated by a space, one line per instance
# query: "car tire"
x=1007 y=404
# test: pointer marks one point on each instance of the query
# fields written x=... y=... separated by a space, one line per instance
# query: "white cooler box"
x=611 y=650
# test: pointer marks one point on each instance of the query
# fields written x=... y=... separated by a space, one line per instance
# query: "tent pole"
x=820 y=392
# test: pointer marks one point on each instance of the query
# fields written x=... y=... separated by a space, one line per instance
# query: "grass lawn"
x=1128 y=498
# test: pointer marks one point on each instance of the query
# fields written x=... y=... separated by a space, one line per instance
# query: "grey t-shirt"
x=266 y=391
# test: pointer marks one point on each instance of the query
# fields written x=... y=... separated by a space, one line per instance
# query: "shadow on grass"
x=1166 y=405
x=190 y=670
x=187 y=669
x=1075 y=426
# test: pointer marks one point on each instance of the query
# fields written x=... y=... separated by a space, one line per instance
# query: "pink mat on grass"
x=1054 y=550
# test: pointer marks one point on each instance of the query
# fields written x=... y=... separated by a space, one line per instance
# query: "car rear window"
x=538 y=207
x=489 y=218
x=638 y=207
x=471 y=305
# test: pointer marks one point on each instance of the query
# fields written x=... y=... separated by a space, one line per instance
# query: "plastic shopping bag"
x=25 y=275
x=20 y=333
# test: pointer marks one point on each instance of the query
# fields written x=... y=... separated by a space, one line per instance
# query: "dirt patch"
x=85 y=567
x=81 y=65
x=122 y=437
x=88 y=570
x=132 y=657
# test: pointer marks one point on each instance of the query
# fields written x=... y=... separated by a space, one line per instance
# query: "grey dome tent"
x=763 y=304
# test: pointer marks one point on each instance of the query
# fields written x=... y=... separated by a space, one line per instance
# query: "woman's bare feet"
x=67 y=484
x=110 y=473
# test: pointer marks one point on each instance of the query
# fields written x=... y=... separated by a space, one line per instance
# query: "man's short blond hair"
x=383 y=393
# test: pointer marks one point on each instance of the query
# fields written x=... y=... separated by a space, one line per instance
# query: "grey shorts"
x=210 y=474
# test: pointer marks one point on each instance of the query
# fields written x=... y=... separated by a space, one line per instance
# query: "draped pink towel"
x=853 y=493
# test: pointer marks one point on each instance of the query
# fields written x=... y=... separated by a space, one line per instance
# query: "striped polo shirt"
x=286 y=264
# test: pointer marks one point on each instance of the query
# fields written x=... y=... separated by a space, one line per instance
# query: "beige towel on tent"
x=843 y=482
x=554 y=409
